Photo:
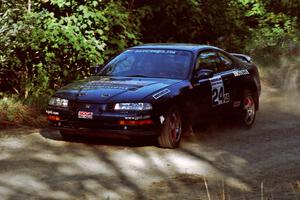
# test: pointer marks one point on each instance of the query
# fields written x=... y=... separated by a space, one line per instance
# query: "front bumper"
x=105 y=124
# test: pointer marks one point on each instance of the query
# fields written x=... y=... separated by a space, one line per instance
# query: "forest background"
x=46 y=44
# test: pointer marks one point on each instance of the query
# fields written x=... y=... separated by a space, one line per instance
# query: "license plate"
x=85 y=115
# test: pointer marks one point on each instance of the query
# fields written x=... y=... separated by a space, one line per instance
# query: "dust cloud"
x=283 y=75
x=281 y=85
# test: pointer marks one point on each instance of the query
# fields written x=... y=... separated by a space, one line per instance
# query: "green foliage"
x=243 y=25
x=57 y=41
x=192 y=21
x=270 y=29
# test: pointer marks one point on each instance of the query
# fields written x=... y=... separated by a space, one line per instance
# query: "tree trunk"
x=29 y=6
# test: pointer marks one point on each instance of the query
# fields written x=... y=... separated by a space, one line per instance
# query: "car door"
x=226 y=72
x=201 y=93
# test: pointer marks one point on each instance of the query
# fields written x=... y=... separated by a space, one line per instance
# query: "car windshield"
x=155 y=63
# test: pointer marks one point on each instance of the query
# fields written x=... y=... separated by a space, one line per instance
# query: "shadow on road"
x=98 y=140
x=42 y=165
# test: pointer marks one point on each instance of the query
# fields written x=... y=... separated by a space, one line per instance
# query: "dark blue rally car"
x=159 y=90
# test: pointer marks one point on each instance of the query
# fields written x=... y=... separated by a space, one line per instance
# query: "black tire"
x=248 y=107
x=172 y=129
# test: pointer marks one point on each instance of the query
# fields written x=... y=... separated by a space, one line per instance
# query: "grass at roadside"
x=195 y=186
x=15 y=112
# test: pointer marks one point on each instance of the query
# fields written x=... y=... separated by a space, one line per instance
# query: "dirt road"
x=221 y=162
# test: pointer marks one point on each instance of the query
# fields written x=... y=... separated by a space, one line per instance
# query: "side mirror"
x=95 y=69
x=204 y=74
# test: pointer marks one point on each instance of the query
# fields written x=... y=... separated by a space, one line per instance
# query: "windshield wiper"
x=138 y=75
x=100 y=74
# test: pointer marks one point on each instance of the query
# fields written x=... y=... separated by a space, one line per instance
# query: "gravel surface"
x=222 y=161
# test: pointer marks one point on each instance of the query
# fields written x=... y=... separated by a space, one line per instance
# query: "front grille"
x=72 y=105
x=87 y=106
x=75 y=106
x=110 y=107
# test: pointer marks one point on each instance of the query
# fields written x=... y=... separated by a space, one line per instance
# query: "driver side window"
x=208 y=60
x=226 y=62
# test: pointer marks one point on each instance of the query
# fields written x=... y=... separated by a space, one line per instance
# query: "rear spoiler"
x=242 y=57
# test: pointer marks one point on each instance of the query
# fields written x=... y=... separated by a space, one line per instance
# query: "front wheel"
x=172 y=128
x=248 y=110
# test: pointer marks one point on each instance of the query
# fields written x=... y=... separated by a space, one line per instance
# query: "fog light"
x=135 y=122
x=53 y=118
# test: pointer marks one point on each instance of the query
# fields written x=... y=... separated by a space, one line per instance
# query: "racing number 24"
x=218 y=95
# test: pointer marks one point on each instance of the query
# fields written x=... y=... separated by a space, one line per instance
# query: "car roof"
x=175 y=46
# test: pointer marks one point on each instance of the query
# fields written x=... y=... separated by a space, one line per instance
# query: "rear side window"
x=208 y=60
x=226 y=62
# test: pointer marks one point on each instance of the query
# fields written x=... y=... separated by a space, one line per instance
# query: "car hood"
x=100 y=89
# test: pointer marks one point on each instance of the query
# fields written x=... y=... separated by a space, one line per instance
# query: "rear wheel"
x=172 y=128
x=248 y=109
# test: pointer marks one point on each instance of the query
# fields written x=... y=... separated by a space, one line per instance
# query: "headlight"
x=55 y=101
x=133 y=106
